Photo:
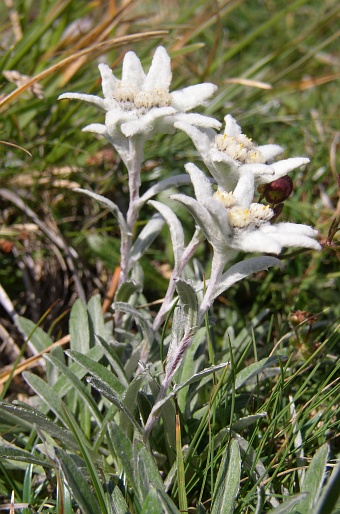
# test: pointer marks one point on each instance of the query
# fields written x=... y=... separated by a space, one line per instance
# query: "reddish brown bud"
x=279 y=190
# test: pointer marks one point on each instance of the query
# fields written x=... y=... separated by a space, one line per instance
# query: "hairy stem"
x=217 y=266
x=133 y=163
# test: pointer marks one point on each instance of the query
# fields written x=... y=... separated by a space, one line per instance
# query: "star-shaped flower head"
x=141 y=103
x=231 y=154
x=232 y=222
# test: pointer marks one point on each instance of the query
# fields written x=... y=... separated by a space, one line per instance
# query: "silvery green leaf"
x=242 y=270
x=146 y=237
x=189 y=366
x=175 y=227
x=62 y=387
x=98 y=371
x=127 y=289
x=228 y=481
x=118 y=503
x=298 y=441
x=14 y=453
x=24 y=416
x=109 y=205
x=79 y=327
x=243 y=423
x=138 y=317
x=184 y=326
x=160 y=186
x=124 y=452
x=78 y=386
x=77 y=482
x=189 y=302
x=147 y=473
x=36 y=336
x=111 y=395
x=314 y=479
x=96 y=318
x=330 y=494
x=196 y=377
x=46 y=393
x=255 y=369
x=287 y=506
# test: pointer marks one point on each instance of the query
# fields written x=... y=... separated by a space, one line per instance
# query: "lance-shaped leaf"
x=175 y=227
x=228 y=481
x=330 y=494
x=77 y=483
x=146 y=237
x=314 y=479
x=138 y=317
x=255 y=369
x=167 y=183
x=105 y=202
x=242 y=270
x=23 y=414
x=98 y=371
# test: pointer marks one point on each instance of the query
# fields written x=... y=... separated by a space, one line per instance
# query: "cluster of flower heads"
x=140 y=105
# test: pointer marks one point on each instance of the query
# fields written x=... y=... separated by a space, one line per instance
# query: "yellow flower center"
x=240 y=148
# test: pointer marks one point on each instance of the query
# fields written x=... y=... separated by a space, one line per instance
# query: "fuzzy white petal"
x=159 y=76
x=146 y=124
x=244 y=191
x=256 y=241
x=269 y=152
x=109 y=81
x=132 y=72
x=175 y=227
x=200 y=181
x=199 y=213
x=261 y=172
x=96 y=101
x=284 y=167
x=292 y=228
x=114 y=120
x=97 y=128
x=289 y=240
x=200 y=138
x=198 y=119
x=189 y=97
x=231 y=127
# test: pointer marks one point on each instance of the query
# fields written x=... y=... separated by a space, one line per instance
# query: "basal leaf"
x=228 y=481
x=330 y=494
x=79 y=327
x=36 y=336
x=27 y=414
x=99 y=371
x=287 y=507
x=78 y=385
x=22 y=456
x=314 y=478
x=255 y=369
x=96 y=319
x=78 y=485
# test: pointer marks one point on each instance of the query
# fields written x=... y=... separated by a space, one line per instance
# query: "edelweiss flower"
x=142 y=104
x=231 y=221
x=229 y=155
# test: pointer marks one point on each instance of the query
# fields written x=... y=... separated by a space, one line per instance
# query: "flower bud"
x=278 y=190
